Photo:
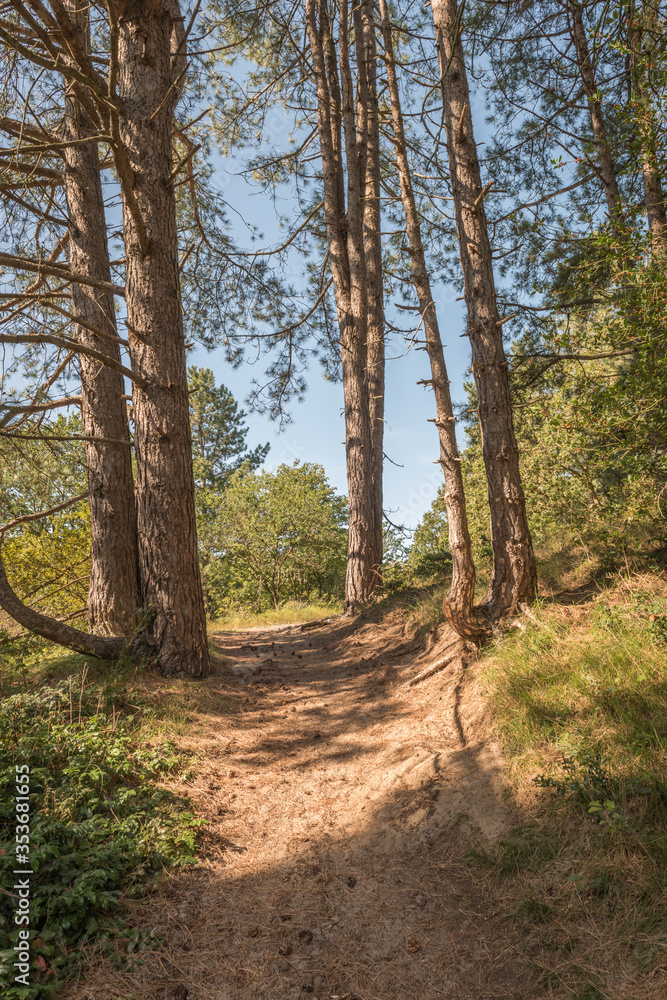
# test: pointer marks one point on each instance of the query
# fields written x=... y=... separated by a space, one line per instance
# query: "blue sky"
x=317 y=432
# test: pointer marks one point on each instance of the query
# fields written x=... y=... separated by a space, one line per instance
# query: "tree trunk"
x=113 y=596
x=368 y=139
x=346 y=243
x=106 y=647
x=654 y=199
x=458 y=604
x=168 y=560
x=360 y=578
x=514 y=573
x=602 y=148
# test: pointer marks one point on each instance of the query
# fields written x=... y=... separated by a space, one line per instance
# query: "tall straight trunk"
x=345 y=235
x=514 y=573
x=168 y=561
x=368 y=138
x=113 y=595
x=654 y=198
x=360 y=578
x=458 y=603
x=602 y=147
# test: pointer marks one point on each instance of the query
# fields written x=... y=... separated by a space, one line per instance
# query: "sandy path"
x=340 y=807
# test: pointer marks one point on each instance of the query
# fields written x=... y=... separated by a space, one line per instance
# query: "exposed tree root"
x=458 y=649
x=317 y=622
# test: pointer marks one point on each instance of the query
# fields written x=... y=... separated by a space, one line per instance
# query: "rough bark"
x=169 y=567
x=654 y=198
x=514 y=579
x=345 y=236
x=368 y=139
x=602 y=147
x=458 y=603
x=113 y=596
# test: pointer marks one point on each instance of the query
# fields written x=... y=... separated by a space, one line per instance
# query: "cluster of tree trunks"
x=151 y=61
x=514 y=578
x=145 y=586
x=145 y=582
x=113 y=596
x=350 y=151
x=351 y=175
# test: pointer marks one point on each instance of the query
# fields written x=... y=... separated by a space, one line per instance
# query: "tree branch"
x=58 y=271
x=73 y=345
x=42 y=513
x=106 y=648
x=11 y=411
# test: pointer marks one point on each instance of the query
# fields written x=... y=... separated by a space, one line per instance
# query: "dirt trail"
x=341 y=804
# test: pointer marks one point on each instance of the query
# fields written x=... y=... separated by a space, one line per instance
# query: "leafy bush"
x=276 y=536
x=585 y=778
x=99 y=827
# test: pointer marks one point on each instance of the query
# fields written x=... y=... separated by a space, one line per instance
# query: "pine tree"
x=218 y=432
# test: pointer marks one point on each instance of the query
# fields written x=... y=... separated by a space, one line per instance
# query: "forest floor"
x=340 y=805
x=365 y=839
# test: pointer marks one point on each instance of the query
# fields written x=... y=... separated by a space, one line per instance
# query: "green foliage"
x=582 y=474
x=48 y=560
x=593 y=433
x=395 y=571
x=277 y=536
x=219 y=452
x=654 y=612
x=424 y=560
x=36 y=475
x=592 y=439
x=585 y=777
x=218 y=433
x=100 y=826
x=430 y=558
x=580 y=699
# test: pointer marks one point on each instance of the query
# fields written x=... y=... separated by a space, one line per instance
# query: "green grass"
x=291 y=613
x=580 y=701
x=587 y=681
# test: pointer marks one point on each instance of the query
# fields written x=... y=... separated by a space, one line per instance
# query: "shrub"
x=100 y=826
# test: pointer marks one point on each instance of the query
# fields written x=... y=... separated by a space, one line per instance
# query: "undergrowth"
x=100 y=825
x=587 y=680
x=580 y=698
